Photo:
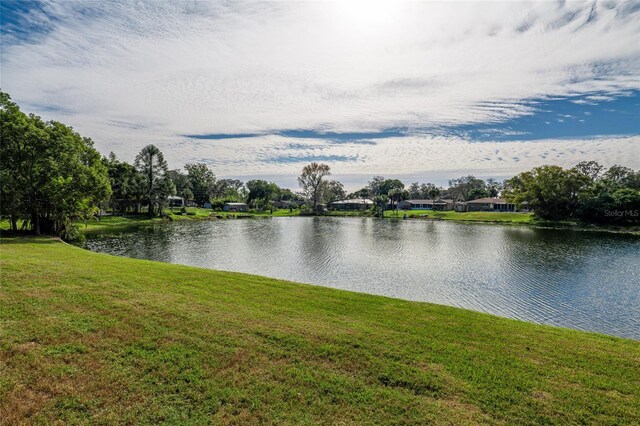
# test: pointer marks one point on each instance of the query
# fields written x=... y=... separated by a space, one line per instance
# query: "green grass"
x=465 y=216
x=130 y=221
x=95 y=339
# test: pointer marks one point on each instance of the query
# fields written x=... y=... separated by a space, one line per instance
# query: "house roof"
x=488 y=200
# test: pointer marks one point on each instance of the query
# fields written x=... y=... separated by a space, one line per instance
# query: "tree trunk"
x=35 y=218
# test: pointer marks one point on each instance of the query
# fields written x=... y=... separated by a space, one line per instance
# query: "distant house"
x=235 y=207
x=460 y=206
x=352 y=204
x=438 y=205
x=175 y=201
x=489 y=205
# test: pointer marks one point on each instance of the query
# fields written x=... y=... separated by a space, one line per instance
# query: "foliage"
x=127 y=185
x=396 y=195
x=333 y=191
x=49 y=174
x=467 y=188
x=422 y=191
x=182 y=184
x=583 y=192
x=361 y=193
x=203 y=182
x=261 y=192
x=312 y=181
x=151 y=164
x=388 y=185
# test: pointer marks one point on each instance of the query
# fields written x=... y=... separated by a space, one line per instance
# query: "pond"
x=583 y=280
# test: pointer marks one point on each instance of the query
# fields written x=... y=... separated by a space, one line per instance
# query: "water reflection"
x=589 y=281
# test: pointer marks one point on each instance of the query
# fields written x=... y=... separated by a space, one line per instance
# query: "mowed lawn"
x=95 y=339
x=464 y=216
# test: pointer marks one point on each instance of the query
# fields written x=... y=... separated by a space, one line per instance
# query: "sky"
x=421 y=91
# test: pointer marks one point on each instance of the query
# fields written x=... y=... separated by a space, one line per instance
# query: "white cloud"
x=129 y=74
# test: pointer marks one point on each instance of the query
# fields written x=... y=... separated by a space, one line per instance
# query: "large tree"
x=467 y=188
x=262 y=192
x=551 y=191
x=182 y=183
x=312 y=181
x=153 y=167
x=203 y=182
x=126 y=183
x=49 y=174
x=333 y=191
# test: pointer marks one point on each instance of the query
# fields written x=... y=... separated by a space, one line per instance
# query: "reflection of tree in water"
x=153 y=243
x=552 y=249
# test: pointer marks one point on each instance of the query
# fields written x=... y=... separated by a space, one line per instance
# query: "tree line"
x=50 y=176
x=587 y=192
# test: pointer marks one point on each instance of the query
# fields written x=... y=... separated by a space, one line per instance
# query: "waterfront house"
x=235 y=207
x=352 y=204
x=175 y=201
x=439 y=205
x=489 y=205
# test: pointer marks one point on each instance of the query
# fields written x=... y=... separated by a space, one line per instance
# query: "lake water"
x=583 y=280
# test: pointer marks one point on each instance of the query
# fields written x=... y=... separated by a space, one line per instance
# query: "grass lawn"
x=128 y=221
x=92 y=338
x=466 y=216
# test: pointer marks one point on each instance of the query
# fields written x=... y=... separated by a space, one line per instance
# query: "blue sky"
x=419 y=91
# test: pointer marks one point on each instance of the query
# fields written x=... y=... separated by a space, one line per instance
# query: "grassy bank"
x=504 y=217
x=91 y=338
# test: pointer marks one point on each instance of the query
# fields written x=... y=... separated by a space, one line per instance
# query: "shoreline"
x=141 y=220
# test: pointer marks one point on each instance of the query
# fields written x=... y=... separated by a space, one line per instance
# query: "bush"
x=73 y=234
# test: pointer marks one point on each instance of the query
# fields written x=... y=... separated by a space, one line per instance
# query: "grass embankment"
x=522 y=218
x=91 y=338
x=194 y=213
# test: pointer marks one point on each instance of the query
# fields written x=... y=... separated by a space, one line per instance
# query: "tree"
x=261 y=192
x=467 y=188
x=621 y=177
x=434 y=192
x=126 y=185
x=591 y=169
x=333 y=191
x=152 y=166
x=229 y=189
x=551 y=191
x=49 y=174
x=493 y=187
x=312 y=181
x=374 y=186
x=389 y=184
x=180 y=181
x=361 y=193
x=380 y=201
x=396 y=195
x=202 y=180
